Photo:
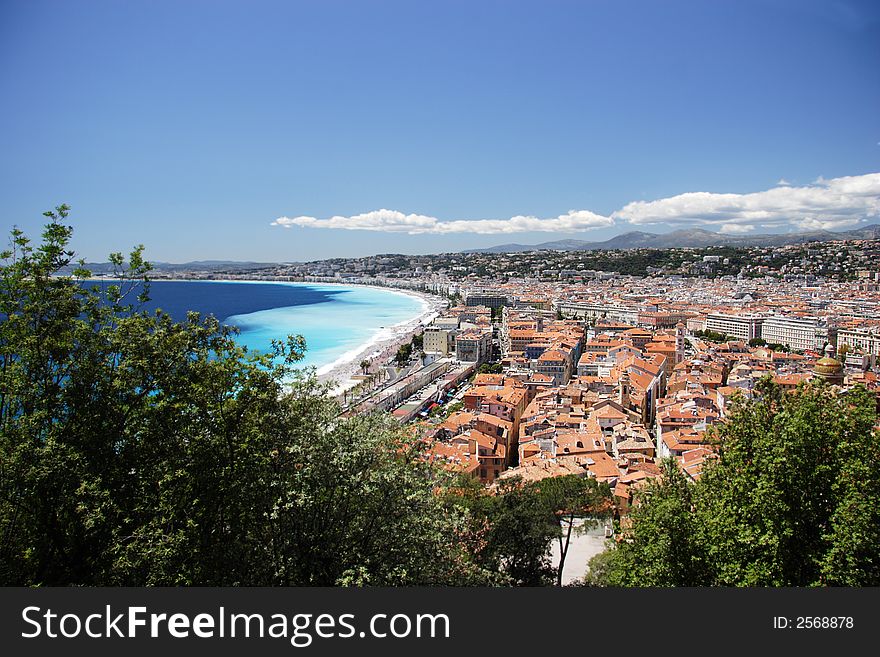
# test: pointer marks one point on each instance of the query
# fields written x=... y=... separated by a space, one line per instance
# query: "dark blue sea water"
x=224 y=299
x=336 y=320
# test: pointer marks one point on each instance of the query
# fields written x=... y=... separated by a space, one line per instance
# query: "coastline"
x=382 y=346
x=380 y=349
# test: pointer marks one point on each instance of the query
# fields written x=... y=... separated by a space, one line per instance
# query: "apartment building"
x=438 y=340
x=744 y=327
x=799 y=333
x=473 y=346
x=556 y=364
x=488 y=299
x=447 y=322
x=658 y=320
x=868 y=340
x=609 y=311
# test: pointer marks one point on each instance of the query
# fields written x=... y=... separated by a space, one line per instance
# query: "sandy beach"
x=379 y=350
x=383 y=346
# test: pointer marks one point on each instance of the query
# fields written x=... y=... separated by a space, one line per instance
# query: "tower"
x=679 y=342
x=623 y=390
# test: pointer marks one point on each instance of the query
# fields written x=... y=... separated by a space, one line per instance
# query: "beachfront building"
x=450 y=322
x=799 y=333
x=438 y=340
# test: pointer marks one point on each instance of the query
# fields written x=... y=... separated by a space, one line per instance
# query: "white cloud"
x=825 y=204
x=392 y=221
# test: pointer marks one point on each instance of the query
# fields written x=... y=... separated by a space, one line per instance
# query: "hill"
x=690 y=237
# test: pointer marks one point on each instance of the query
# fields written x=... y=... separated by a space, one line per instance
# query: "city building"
x=866 y=340
x=438 y=340
x=798 y=333
x=473 y=346
x=488 y=299
x=556 y=364
x=829 y=368
x=744 y=327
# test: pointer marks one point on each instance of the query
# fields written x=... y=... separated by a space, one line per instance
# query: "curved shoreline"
x=380 y=348
x=383 y=345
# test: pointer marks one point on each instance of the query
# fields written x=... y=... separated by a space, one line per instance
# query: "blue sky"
x=192 y=126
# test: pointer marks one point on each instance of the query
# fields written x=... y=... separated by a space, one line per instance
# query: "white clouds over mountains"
x=392 y=221
x=825 y=204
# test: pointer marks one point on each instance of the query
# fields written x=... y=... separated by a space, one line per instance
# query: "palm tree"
x=365 y=365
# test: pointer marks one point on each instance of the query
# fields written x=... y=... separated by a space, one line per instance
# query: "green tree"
x=601 y=570
x=660 y=548
x=792 y=499
x=135 y=450
x=570 y=498
x=519 y=536
x=809 y=459
x=519 y=521
x=403 y=353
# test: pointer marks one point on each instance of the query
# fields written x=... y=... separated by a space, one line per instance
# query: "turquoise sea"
x=336 y=320
x=333 y=329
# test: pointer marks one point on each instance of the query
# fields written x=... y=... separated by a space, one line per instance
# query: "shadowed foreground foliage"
x=136 y=450
x=139 y=451
x=510 y=531
x=793 y=499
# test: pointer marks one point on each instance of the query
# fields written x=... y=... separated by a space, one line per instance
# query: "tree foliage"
x=792 y=499
x=135 y=450
x=519 y=521
x=712 y=336
x=404 y=351
x=571 y=498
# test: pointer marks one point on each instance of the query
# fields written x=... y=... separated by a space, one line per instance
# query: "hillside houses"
x=610 y=397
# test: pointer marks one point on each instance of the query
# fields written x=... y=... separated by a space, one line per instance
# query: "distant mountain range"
x=691 y=237
x=105 y=268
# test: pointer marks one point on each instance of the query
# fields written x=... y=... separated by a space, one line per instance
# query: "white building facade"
x=744 y=327
x=799 y=333
x=868 y=340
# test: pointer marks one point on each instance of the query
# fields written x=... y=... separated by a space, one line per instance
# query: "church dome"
x=828 y=366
